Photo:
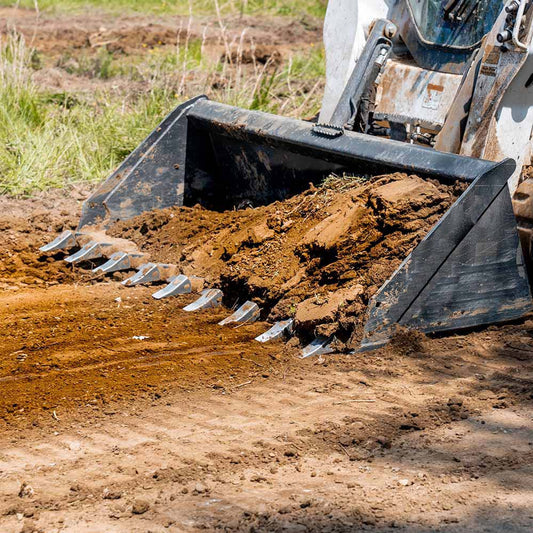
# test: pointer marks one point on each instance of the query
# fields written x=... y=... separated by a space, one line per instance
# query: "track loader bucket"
x=468 y=271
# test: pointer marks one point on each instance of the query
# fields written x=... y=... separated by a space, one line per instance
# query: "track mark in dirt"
x=289 y=451
x=81 y=344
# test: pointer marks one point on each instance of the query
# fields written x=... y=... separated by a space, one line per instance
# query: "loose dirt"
x=120 y=413
x=319 y=256
x=54 y=35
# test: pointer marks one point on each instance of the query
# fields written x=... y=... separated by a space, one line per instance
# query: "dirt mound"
x=26 y=224
x=318 y=257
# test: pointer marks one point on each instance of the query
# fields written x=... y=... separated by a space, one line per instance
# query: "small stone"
x=140 y=507
x=200 y=489
x=345 y=441
x=256 y=478
x=384 y=441
x=455 y=401
x=185 y=490
x=26 y=491
x=404 y=482
x=111 y=494
x=273 y=470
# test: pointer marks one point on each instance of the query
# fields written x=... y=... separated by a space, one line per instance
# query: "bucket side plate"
x=469 y=270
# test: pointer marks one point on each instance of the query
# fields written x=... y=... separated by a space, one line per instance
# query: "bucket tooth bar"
x=65 y=241
x=279 y=330
x=119 y=261
x=92 y=250
x=319 y=346
x=177 y=285
x=247 y=313
x=209 y=299
x=149 y=273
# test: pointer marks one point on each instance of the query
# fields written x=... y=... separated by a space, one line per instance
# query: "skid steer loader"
x=439 y=88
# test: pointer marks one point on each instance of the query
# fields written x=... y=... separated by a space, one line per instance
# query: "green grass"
x=181 y=7
x=55 y=139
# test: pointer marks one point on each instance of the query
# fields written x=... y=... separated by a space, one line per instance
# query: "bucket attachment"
x=247 y=313
x=209 y=298
x=118 y=262
x=220 y=156
x=468 y=271
x=320 y=346
x=177 y=285
x=92 y=250
x=149 y=273
x=65 y=241
x=278 y=331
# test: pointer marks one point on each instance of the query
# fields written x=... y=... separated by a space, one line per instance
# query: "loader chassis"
x=391 y=98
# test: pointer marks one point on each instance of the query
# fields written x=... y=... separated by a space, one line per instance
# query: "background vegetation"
x=181 y=7
x=52 y=139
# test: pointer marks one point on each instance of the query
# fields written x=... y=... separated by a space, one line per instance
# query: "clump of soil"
x=318 y=256
x=27 y=224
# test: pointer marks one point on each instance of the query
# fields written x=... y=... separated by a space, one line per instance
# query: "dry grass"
x=50 y=139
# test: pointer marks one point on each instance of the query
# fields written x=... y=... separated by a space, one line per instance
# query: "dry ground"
x=196 y=427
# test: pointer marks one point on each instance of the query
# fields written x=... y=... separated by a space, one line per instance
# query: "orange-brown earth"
x=319 y=256
x=190 y=426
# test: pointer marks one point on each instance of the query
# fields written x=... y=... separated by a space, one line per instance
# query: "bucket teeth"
x=148 y=273
x=248 y=312
x=177 y=285
x=117 y=262
x=320 y=346
x=62 y=242
x=209 y=298
x=92 y=250
x=277 y=331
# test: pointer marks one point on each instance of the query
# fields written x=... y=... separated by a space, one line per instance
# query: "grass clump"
x=49 y=140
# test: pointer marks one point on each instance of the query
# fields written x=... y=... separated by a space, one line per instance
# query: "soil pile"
x=318 y=256
x=27 y=225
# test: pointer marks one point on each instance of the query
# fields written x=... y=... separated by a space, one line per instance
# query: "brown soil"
x=129 y=34
x=21 y=234
x=126 y=415
x=191 y=426
x=319 y=256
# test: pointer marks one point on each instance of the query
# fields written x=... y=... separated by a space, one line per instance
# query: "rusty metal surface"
x=422 y=95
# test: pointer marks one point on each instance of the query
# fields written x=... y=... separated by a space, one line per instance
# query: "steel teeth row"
x=91 y=250
x=285 y=328
x=247 y=313
x=177 y=285
x=148 y=273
